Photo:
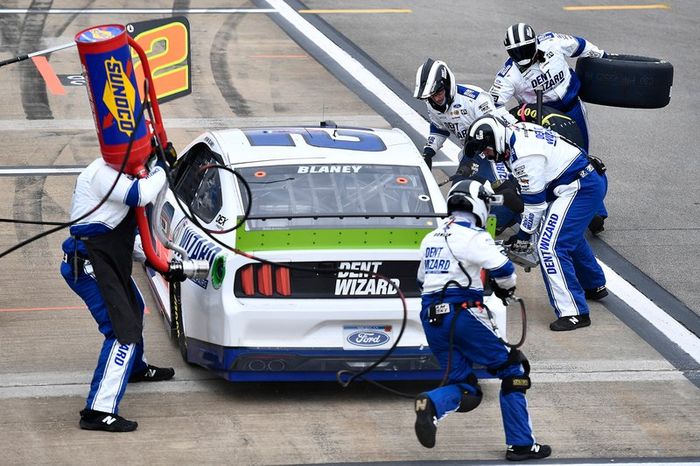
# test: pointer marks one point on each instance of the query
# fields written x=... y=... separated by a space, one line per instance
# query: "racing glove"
x=468 y=168
x=519 y=242
x=170 y=154
x=428 y=154
x=501 y=293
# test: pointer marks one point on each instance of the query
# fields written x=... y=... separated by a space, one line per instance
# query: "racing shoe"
x=98 y=420
x=597 y=225
x=528 y=452
x=426 y=421
x=596 y=294
x=563 y=324
x=153 y=374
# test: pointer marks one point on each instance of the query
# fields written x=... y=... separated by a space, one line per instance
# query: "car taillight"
x=247 y=280
x=265 y=280
x=282 y=284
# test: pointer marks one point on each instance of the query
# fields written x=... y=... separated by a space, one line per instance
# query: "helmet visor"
x=524 y=53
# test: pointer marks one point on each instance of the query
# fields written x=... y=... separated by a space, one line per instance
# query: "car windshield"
x=337 y=196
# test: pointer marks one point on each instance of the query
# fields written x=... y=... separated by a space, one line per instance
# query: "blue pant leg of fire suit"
x=589 y=275
x=115 y=362
x=475 y=341
x=577 y=114
x=562 y=257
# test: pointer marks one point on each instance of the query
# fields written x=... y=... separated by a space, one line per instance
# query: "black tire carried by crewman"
x=628 y=81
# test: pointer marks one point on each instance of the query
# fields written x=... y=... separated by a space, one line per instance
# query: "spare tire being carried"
x=628 y=81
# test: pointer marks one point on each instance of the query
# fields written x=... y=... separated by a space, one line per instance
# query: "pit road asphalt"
x=618 y=389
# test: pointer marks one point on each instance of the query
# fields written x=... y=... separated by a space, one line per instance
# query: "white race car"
x=339 y=206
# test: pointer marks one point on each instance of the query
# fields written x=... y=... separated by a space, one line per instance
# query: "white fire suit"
x=470 y=103
x=562 y=191
x=551 y=73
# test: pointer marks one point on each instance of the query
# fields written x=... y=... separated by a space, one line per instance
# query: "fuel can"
x=114 y=97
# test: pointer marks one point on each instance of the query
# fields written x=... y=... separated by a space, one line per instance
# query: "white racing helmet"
x=484 y=133
x=521 y=44
x=431 y=77
x=471 y=196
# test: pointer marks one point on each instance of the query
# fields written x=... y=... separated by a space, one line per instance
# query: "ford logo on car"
x=367 y=338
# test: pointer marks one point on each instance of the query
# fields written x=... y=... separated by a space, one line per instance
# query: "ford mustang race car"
x=331 y=209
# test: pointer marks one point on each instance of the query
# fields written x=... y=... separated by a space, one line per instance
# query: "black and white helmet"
x=471 y=196
x=431 y=77
x=521 y=43
x=487 y=132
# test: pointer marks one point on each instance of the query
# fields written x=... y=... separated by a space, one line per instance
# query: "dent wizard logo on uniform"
x=546 y=245
x=119 y=96
x=368 y=338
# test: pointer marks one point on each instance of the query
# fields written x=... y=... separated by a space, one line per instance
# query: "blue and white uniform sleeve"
x=150 y=186
x=484 y=105
x=575 y=47
x=437 y=137
x=530 y=173
x=486 y=253
x=103 y=179
x=503 y=88
x=129 y=191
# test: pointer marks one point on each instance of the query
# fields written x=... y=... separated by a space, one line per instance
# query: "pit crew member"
x=562 y=188
x=539 y=62
x=97 y=266
x=457 y=326
x=452 y=108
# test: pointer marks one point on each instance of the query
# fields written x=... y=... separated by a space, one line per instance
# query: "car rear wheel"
x=177 y=327
x=628 y=81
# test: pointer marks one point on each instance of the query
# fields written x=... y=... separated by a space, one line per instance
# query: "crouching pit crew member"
x=562 y=188
x=458 y=328
x=451 y=107
x=97 y=267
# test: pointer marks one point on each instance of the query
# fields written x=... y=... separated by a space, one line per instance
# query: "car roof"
x=275 y=145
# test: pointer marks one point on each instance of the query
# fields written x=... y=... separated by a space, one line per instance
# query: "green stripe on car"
x=376 y=238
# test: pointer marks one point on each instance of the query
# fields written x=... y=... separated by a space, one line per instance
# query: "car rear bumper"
x=310 y=364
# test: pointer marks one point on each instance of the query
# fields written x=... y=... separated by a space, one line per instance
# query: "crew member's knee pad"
x=515 y=383
x=469 y=402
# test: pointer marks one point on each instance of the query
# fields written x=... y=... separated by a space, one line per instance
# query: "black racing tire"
x=551 y=118
x=177 y=327
x=628 y=81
